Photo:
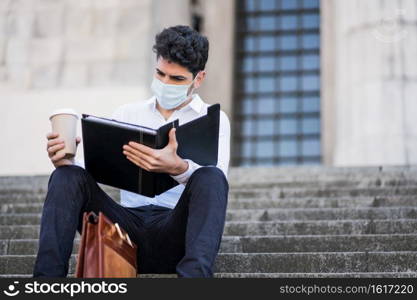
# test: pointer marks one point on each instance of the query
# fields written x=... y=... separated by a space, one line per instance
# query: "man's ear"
x=199 y=79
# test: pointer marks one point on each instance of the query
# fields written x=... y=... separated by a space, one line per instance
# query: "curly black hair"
x=184 y=46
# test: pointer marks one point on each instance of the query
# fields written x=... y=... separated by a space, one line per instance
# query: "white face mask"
x=170 y=96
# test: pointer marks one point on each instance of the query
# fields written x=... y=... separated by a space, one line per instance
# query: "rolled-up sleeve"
x=79 y=163
x=223 y=152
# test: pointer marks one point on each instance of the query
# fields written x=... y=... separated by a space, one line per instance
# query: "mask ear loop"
x=192 y=83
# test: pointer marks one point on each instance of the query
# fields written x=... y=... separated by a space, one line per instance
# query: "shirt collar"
x=152 y=103
x=196 y=104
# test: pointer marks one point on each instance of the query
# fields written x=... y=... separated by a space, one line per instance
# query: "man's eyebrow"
x=177 y=77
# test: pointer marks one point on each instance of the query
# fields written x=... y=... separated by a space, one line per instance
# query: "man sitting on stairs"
x=178 y=231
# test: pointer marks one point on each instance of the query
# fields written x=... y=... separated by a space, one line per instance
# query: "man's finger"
x=173 y=137
x=142 y=162
x=53 y=142
x=134 y=161
x=141 y=148
x=55 y=148
x=52 y=135
x=138 y=162
x=57 y=157
x=138 y=153
x=141 y=157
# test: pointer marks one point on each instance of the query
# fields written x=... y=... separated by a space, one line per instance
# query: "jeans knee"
x=210 y=176
x=68 y=186
x=67 y=175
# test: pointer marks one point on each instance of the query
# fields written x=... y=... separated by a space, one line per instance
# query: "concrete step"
x=241 y=176
x=358 y=182
x=248 y=228
x=321 y=227
x=248 y=193
x=319 y=275
x=321 y=214
x=317 y=262
x=311 y=202
x=282 y=183
x=19 y=231
x=267 y=275
x=319 y=243
x=269 y=244
x=319 y=202
x=270 y=214
x=281 y=222
x=33 y=184
x=280 y=193
x=28 y=197
x=254 y=175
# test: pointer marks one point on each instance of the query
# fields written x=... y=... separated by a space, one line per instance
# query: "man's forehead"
x=171 y=67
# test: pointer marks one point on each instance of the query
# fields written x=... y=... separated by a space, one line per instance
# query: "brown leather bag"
x=105 y=249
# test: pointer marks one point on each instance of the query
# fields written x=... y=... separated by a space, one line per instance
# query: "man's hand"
x=54 y=145
x=163 y=160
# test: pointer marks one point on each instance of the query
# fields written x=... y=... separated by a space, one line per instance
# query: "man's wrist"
x=64 y=162
x=180 y=167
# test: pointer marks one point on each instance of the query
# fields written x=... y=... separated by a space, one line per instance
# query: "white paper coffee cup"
x=64 y=122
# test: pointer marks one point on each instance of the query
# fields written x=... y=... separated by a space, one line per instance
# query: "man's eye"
x=160 y=73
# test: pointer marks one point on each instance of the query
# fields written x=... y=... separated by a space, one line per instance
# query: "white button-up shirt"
x=146 y=114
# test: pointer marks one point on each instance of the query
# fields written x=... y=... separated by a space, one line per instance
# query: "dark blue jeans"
x=184 y=240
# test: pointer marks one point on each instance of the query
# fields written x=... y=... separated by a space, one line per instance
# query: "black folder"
x=103 y=141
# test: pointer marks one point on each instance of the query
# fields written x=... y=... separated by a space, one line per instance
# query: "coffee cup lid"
x=67 y=111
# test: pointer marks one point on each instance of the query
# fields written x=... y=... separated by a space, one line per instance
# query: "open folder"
x=103 y=141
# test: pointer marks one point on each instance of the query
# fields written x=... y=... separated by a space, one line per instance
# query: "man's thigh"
x=100 y=201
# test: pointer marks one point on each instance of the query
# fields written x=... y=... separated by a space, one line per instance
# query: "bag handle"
x=92 y=217
x=126 y=237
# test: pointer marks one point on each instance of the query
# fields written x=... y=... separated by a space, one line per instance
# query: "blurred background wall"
x=312 y=82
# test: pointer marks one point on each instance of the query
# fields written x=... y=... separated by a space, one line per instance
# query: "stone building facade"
x=94 y=55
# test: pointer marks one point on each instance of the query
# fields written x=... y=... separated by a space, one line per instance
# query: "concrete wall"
x=373 y=48
x=74 y=43
x=90 y=55
x=219 y=27
x=327 y=62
